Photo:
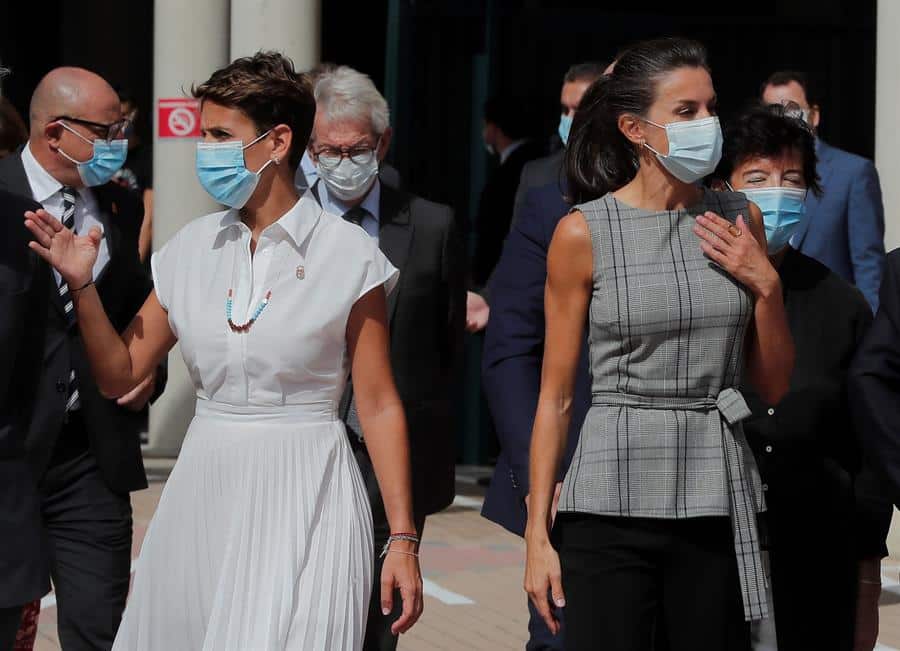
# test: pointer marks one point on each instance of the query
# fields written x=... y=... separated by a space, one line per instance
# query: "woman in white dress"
x=262 y=538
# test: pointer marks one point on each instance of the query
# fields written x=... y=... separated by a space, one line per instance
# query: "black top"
x=825 y=512
x=809 y=433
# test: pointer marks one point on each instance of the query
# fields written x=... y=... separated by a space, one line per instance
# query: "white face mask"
x=349 y=180
x=695 y=148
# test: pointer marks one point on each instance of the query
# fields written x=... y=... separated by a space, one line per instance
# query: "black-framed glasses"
x=108 y=132
x=331 y=157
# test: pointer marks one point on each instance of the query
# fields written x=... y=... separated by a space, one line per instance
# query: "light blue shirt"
x=307 y=175
x=371 y=203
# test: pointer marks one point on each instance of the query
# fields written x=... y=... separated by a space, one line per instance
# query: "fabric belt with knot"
x=733 y=409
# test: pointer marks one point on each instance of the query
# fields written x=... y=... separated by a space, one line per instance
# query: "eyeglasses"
x=331 y=157
x=107 y=132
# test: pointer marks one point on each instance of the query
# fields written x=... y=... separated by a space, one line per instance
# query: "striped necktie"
x=356 y=215
x=68 y=220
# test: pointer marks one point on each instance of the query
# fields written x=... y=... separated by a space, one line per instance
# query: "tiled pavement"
x=473 y=572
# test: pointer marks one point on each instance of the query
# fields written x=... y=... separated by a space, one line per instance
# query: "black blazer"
x=875 y=383
x=426 y=313
x=823 y=510
x=24 y=283
x=495 y=210
x=123 y=286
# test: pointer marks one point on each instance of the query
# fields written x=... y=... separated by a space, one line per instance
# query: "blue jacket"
x=513 y=354
x=845 y=229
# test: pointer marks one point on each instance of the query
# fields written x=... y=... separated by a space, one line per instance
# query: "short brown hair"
x=269 y=91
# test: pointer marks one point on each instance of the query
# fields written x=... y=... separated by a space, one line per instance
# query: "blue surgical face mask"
x=223 y=174
x=108 y=158
x=783 y=210
x=695 y=148
x=565 y=125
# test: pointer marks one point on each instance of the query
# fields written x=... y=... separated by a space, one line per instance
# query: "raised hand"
x=73 y=256
x=735 y=248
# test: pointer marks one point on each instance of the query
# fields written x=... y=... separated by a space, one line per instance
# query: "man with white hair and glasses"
x=426 y=312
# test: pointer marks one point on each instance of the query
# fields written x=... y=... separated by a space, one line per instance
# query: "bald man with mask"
x=83 y=449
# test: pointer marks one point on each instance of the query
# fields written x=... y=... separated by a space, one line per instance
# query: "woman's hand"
x=71 y=255
x=543 y=579
x=735 y=248
x=401 y=571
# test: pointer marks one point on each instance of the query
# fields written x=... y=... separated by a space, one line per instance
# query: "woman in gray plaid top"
x=657 y=526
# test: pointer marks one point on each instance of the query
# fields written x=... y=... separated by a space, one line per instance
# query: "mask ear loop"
x=658 y=126
x=65 y=155
x=253 y=142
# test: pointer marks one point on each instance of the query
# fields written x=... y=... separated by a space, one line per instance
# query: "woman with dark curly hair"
x=824 y=508
x=263 y=535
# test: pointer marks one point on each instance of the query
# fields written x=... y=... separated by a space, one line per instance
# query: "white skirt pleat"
x=262 y=540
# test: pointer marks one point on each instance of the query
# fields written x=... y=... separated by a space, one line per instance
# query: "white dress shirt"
x=47 y=191
x=315 y=264
x=371 y=203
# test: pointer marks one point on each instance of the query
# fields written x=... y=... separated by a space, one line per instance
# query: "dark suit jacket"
x=24 y=283
x=823 y=506
x=123 y=286
x=845 y=229
x=875 y=384
x=513 y=355
x=495 y=210
x=426 y=313
x=537 y=173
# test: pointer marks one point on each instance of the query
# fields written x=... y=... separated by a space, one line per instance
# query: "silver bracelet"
x=393 y=538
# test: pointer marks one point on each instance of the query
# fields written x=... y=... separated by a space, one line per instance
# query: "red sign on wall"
x=179 y=118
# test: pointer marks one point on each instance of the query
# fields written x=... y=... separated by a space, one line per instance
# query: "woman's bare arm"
x=740 y=249
x=119 y=362
x=566 y=300
x=384 y=428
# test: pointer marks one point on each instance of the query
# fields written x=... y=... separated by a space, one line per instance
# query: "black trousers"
x=378 y=626
x=629 y=581
x=10 y=618
x=89 y=528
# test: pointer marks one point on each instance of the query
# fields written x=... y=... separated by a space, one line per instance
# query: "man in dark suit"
x=845 y=229
x=512 y=359
x=426 y=311
x=875 y=383
x=549 y=169
x=83 y=448
x=24 y=284
x=541 y=171
x=505 y=130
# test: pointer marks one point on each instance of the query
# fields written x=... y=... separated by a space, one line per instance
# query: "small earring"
x=277 y=162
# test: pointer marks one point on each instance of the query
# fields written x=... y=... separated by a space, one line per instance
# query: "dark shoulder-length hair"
x=768 y=132
x=599 y=158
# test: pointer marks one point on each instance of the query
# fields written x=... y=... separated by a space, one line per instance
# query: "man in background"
x=505 y=136
x=845 y=229
x=83 y=449
x=426 y=311
x=541 y=172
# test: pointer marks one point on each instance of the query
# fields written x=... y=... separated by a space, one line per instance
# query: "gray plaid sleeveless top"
x=663 y=437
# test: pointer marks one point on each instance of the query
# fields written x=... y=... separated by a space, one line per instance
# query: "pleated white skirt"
x=262 y=539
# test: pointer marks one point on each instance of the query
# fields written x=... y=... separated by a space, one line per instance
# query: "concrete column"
x=191 y=40
x=291 y=27
x=887 y=99
x=887 y=146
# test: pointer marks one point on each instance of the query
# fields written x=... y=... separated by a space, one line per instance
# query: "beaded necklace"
x=229 y=303
x=229 y=300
